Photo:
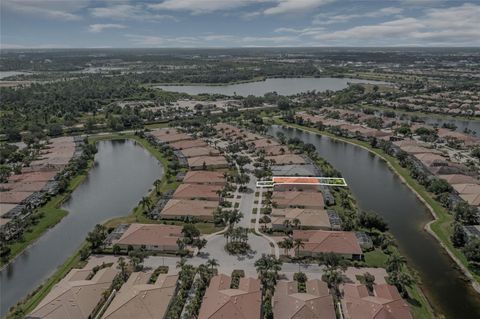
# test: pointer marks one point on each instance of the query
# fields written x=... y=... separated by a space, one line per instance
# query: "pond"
x=123 y=172
x=376 y=188
x=283 y=86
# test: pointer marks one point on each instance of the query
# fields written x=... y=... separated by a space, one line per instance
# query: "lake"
x=123 y=172
x=283 y=86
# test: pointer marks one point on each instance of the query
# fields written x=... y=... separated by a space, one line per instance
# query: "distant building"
x=204 y=177
x=298 y=199
x=188 y=208
x=308 y=218
x=207 y=162
x=197 y=191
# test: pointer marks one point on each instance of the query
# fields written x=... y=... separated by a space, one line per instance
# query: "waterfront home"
x=286 y=159
x=200 y=151
x=207 y=162
x=308 y=218
x=223 y=301
x=316 y=302
x=77 y=295
x=197 y=191
x=188 y=208
x=185 y=144
x=205 y=177
x=383 y=302
x=141 y=299
x=153 y=237
x=298 y=199
x=317 y=242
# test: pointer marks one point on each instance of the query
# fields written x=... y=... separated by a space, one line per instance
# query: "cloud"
x=202 y=6
x=128 y=12
x=52 y=9
x=211 y=40
x=95 y=28
x=440 y=26
x=325 y=19
x=287 y=6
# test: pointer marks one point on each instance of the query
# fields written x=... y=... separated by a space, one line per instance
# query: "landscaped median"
x=440 y=227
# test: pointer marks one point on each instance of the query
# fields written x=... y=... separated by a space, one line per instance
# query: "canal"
x=376 y=188
x=123 y=172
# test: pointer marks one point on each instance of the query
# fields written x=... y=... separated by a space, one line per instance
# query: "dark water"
x=122 y=174
x=283 y=86
x=378 y=189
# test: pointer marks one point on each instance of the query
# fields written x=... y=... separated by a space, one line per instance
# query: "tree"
x=116 y=249
x=372 y=220
x=146 y=203
x=212 y=263
x=395 y=262
x=4 y=173
x=157 y=185
x=296 y=223
x=298 y=243
x=369 y=280
x=401 y=280
x=472 y=250
x=136 y=259
x=438 y=186
x=97 y=236
x=190 y=232
x=459 y=237
x=122 y=266
x=286 y=244
x=334 y=278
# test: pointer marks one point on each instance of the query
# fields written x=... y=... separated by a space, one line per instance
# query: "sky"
x=237 y=23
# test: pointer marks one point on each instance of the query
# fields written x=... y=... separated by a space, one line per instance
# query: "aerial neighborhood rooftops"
x=308 y=218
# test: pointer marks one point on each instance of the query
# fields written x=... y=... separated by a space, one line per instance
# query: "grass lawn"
x=375 y=258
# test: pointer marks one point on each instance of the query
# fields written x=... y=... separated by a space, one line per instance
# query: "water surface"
x=283 y=86
x=123 y=172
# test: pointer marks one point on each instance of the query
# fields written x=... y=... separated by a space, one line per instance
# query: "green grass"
x=376 y=258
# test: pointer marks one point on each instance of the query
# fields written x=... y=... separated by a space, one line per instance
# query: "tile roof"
x=286 y=159
x=150 y=235
x=216 y=161
x=137 y=299
x=319 y=241
x=187 y=207
x=204 y=177
x=188 y=144
x=75 y=297
x=220 y=301
x=298 y=199
x=307 y=217
x=385 y=303
x=200 y=151
x=314 y=304
x=197 y=191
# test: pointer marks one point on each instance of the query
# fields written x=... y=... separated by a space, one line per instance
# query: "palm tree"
x=286 y=244
x=296 y=222
x=212 y=263
x=395 y=263
x=182 y=262
x=157 y=184
x=234 y=216
x=122 y=265
x=146 y=203
x=334 y=278
x=298 y=243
